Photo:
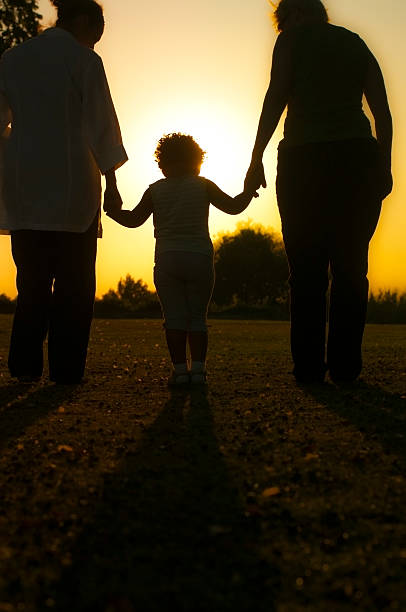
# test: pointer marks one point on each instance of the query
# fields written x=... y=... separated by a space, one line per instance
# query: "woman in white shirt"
x=64 y=135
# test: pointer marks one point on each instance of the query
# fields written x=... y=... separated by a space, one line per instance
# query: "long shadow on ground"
x=21 y=405
x=170 y=532
x=375 y=412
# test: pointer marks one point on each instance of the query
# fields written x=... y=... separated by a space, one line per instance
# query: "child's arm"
x=135 y=217
x=232 y=206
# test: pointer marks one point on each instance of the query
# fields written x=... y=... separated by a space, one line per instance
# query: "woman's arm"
x=275 y=101
x=224 y=202
x=375 y=93
x=132 y=218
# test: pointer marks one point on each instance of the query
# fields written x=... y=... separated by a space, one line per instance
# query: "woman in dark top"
x=331 y=180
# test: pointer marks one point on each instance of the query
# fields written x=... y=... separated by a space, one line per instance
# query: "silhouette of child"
x=184 y=267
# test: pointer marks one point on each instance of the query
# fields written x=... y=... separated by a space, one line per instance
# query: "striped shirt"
x=181 y=213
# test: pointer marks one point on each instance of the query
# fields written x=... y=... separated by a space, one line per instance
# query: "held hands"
x=251 y=193
x=255 y=177
x=112 y=200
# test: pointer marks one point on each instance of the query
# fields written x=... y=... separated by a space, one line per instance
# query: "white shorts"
x=184 y=282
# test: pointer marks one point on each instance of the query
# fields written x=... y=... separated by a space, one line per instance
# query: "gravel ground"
x=120 y=496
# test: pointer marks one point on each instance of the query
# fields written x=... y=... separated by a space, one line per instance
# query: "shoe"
x=198 y=378
x=178 y=380
x=341 y=379
x=309 y=379
x=27 y=380
x=309 y=376
x=67 y=381
x=345 y=373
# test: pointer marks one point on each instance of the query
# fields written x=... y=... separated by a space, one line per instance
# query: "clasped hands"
x=112 y=200
x=255 y=177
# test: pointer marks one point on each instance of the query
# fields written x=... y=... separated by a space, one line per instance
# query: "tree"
x=6 y=304
x=19 y=20
x=251 y=267
x=386 y=307
x=109 y=305
x=134 y=295
x=131 y=297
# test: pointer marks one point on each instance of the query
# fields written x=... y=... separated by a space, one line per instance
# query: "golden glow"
x=225 y=164
x=203 y=69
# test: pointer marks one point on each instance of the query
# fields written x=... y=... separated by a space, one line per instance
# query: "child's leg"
x=172 y=296
x=199 y=295
x=198 y=341
x=176 y=341
x=184 y=283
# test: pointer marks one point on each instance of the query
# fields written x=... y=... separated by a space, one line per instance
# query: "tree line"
x=251 y=282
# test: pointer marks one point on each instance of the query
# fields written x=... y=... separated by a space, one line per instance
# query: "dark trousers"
x=329 y=201
x=56 y=289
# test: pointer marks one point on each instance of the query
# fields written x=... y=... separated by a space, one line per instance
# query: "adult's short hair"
x=70 y=9
x=310 y=9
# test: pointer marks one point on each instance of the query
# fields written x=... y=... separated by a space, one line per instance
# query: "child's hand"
x=251 y=193
x=112 y=201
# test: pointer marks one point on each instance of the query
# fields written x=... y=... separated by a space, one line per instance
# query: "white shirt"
x=64 y=133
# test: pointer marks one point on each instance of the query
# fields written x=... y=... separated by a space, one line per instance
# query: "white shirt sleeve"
x=100 y=119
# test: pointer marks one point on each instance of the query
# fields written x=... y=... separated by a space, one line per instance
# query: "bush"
x=132 y=298
x=7 y=305
x=387 y=307
x=251 y=269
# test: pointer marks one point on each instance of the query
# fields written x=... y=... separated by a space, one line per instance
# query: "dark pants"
x=56 y=288
x=329 y=201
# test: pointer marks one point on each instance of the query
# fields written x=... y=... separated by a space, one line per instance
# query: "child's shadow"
x=379 y=414
x=171 y=532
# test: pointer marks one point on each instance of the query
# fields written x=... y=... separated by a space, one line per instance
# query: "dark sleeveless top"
x=329 y=66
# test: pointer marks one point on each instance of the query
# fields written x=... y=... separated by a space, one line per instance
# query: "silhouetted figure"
x=332 y=177
x=64 y=134
x=183 y=273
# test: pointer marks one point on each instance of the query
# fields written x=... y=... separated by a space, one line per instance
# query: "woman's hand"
x=255 y=177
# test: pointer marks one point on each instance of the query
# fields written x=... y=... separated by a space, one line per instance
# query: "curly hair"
x=313 y=9
x=178 y=148
x=69 y=9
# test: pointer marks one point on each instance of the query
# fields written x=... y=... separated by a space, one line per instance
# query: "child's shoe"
x=180 y=375
x=176 y=380
x=198 y=374
x=198 y=378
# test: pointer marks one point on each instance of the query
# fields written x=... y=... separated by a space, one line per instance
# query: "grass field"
x=258 y=495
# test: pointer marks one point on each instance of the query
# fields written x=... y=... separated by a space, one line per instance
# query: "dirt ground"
x=257 y=495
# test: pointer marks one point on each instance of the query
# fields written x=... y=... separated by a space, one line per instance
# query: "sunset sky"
x=203 y=68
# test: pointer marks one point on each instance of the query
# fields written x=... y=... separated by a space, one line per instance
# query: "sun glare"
x=217 y=134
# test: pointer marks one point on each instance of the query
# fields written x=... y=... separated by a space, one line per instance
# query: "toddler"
x=184 y=267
